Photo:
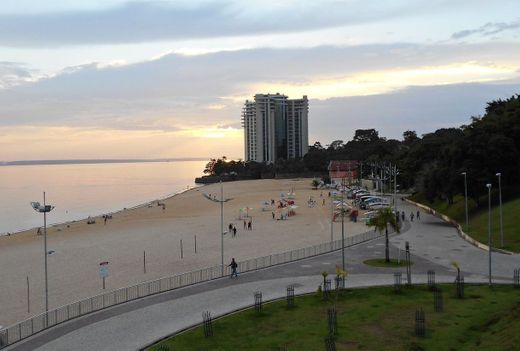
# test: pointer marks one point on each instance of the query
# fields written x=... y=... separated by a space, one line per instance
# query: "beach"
x=78 y=248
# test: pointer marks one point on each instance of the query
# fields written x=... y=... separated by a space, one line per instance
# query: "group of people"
x=232 y=229
x=401 y=215
x=248 y=224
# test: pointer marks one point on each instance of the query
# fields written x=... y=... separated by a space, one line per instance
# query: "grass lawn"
x=478 y=226
x=478 y=220
x=380 y=262
x=370 y=319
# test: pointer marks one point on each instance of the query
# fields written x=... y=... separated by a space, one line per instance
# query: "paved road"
x=136 y=324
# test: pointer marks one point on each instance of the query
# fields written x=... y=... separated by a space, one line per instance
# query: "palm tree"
x=384 y=217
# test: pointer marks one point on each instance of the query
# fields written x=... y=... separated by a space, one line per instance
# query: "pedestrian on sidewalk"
x=418 y=215
x=233 y=266
x=411 y=216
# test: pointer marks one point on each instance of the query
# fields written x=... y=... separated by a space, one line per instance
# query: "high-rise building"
x=275 y=127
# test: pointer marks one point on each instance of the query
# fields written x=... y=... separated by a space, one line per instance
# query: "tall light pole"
x=331 y=221
x=221 y=201
x=466 y=199
x=44 y=209
x=499 y=175
x=489 y=228
x=343 y=228
x=395 y=188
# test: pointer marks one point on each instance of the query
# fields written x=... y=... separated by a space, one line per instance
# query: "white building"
x=275 y=127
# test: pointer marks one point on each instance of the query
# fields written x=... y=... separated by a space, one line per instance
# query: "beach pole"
x=222 y=227
x=28 y=297
x=104 y=285
x=182 y=254
x=195 y=244
x=144 y=261
x=45 y=255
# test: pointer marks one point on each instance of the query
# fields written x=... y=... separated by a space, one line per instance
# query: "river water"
x=81 y=190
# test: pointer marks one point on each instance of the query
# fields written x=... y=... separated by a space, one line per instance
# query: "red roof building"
x=343 y=169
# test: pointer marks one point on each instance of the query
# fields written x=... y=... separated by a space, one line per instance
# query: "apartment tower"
x=275 y=127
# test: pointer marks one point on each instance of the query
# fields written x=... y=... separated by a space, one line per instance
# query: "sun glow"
x=379 y=82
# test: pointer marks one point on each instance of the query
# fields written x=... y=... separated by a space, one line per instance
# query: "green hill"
x=478 y=226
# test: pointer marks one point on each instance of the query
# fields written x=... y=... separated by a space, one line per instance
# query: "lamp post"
x=466 y=199
x=499 y=175
x=395 y=188
x=489 y=228
x=44 y=209
x=221 y=201
x=343 y=230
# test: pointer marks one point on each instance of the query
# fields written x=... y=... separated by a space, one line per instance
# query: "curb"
x=458 y=227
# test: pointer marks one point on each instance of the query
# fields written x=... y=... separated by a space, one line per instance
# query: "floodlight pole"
x=343 y=228
x=45 y=256
x=466 y=199
x=489 y=229
x=222 y=227
x=395 y=188
x=499 y=175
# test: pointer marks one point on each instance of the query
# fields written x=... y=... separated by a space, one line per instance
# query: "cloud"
x=423 y=109
x=180 y=97
x=14 y=73
x=488 y=29
x=177 y=91
x=137 y=21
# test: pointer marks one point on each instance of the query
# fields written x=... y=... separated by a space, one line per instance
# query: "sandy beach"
x=80 y=247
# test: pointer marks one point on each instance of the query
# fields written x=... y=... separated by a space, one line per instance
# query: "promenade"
x=134 y=325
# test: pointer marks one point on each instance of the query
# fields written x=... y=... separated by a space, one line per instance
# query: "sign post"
x=103 y=271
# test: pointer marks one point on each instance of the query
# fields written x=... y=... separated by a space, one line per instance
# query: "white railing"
x=33 y=325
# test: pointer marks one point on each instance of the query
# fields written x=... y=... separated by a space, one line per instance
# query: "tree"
x=385 y=217
x=409 y=137
x=366 y=135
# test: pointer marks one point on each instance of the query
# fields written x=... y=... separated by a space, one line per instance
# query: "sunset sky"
x=153 y=79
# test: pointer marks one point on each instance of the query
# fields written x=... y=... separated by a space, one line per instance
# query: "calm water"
x=78 y=191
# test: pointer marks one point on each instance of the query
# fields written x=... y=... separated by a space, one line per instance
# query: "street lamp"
x=44 y=209
x=221 y=201
x=466 y=199
x=499 y=175
x=488 y=185
x=343 y=230
x=396 y=172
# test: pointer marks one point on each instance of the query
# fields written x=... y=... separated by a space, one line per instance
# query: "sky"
x=154 y=79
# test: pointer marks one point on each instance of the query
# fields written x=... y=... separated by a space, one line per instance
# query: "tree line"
x=430 y=164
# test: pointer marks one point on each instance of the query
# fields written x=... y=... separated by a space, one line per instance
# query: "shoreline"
x=100 y=216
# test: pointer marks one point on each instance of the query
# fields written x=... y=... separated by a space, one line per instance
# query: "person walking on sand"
x=230 y=227
x=234 y=231
x=250 y=225
x=105 y=219
x=272 y=213
x=245 y=224
x=39 y=231
x=233 y=266
x=418 y=215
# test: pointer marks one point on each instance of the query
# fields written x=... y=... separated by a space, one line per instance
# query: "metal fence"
x=33 y=325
